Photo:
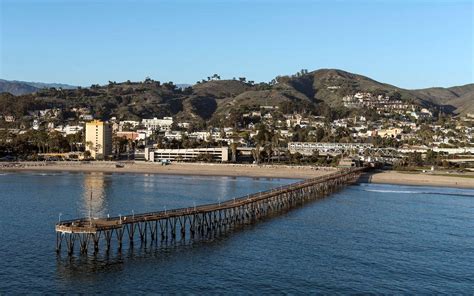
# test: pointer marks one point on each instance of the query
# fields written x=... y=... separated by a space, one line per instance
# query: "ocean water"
x=365 y=238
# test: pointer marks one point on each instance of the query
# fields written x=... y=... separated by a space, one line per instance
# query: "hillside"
x=319 y=92
x=22 y=87
x=459 y=98
x=16 y=87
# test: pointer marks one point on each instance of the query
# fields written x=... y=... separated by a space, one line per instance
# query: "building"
x=99 y=139
x=158 y=124
x=9 y=118
x=389 y=133
x=128 y=124
x=72 y=129
x=86 y=117
x=217 y=154
x=349 y=163
x=307 y=148
x=132 y=136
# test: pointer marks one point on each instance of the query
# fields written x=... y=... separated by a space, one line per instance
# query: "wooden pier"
x=193 y=223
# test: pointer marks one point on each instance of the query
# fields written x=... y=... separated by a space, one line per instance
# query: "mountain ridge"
x=318 y=92
x=18 y=87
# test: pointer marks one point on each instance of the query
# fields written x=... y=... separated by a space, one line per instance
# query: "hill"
x=16 y=87
x=22 y=87
x=318 y=92
x=458 y=98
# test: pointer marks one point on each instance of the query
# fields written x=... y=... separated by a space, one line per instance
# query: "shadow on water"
x=82 y=265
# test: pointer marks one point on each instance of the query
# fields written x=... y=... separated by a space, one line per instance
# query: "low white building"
x=183 y=124
x=217 y=154
x=158 y=124
x=73 y=129
x=35 y=125
x=173 y=135
x=143 y=134
x=9 y=118
x=203 y=136
x=131 y=123
x=86 y=117
x=308 y=148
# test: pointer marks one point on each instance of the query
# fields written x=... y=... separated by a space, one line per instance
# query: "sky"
x=411 y=44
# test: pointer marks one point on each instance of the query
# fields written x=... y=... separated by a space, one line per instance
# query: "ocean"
x=366 y=238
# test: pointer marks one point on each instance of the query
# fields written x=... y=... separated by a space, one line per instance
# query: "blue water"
x=366 y=238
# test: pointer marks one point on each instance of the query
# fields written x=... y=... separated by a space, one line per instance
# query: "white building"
x=173 y=135
x=217 y=154
x=307 y=148
x=203 y=136
x=183 y=124
x=131 y=123
x=35 y=125
x=9 y=118
x=158 y=124
x=72 y=129
x=86 y=117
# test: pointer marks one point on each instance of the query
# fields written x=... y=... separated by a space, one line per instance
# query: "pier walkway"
x=196 y=222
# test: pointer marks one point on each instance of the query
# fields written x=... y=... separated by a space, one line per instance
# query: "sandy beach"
x=242 y=170
x=235 y=170
x=423 y=179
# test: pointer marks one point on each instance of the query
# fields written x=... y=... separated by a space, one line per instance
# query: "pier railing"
x=198 y=221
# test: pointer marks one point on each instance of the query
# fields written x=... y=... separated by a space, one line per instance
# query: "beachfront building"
x=99 y=139
x=195 y=154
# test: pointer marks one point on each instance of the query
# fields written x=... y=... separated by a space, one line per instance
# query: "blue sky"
x=412 y=44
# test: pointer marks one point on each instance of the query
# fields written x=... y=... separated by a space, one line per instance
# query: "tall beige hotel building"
x=99 y=139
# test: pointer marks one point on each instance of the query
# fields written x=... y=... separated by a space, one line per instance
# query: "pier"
x=196 y=222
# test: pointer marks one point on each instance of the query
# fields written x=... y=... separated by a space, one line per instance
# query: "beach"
x=202 y=169
x=244 y=170
x=421 y=179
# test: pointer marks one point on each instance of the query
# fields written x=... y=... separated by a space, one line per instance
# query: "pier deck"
x=199 y=221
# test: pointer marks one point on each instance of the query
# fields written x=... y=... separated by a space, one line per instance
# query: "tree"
x=256 y=154
x=233 y=148
x=431 y=157
x=319 y=134
x=415 y=159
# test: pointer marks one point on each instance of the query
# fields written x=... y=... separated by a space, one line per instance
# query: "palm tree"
x=256 y=154
x=233 y=148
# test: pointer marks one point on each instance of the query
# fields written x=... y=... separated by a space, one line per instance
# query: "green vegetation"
x=29 y=144
x=213 y=99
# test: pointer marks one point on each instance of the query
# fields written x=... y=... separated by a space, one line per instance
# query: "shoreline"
x=418 y=179
x=195 y=169
x=241 y=170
